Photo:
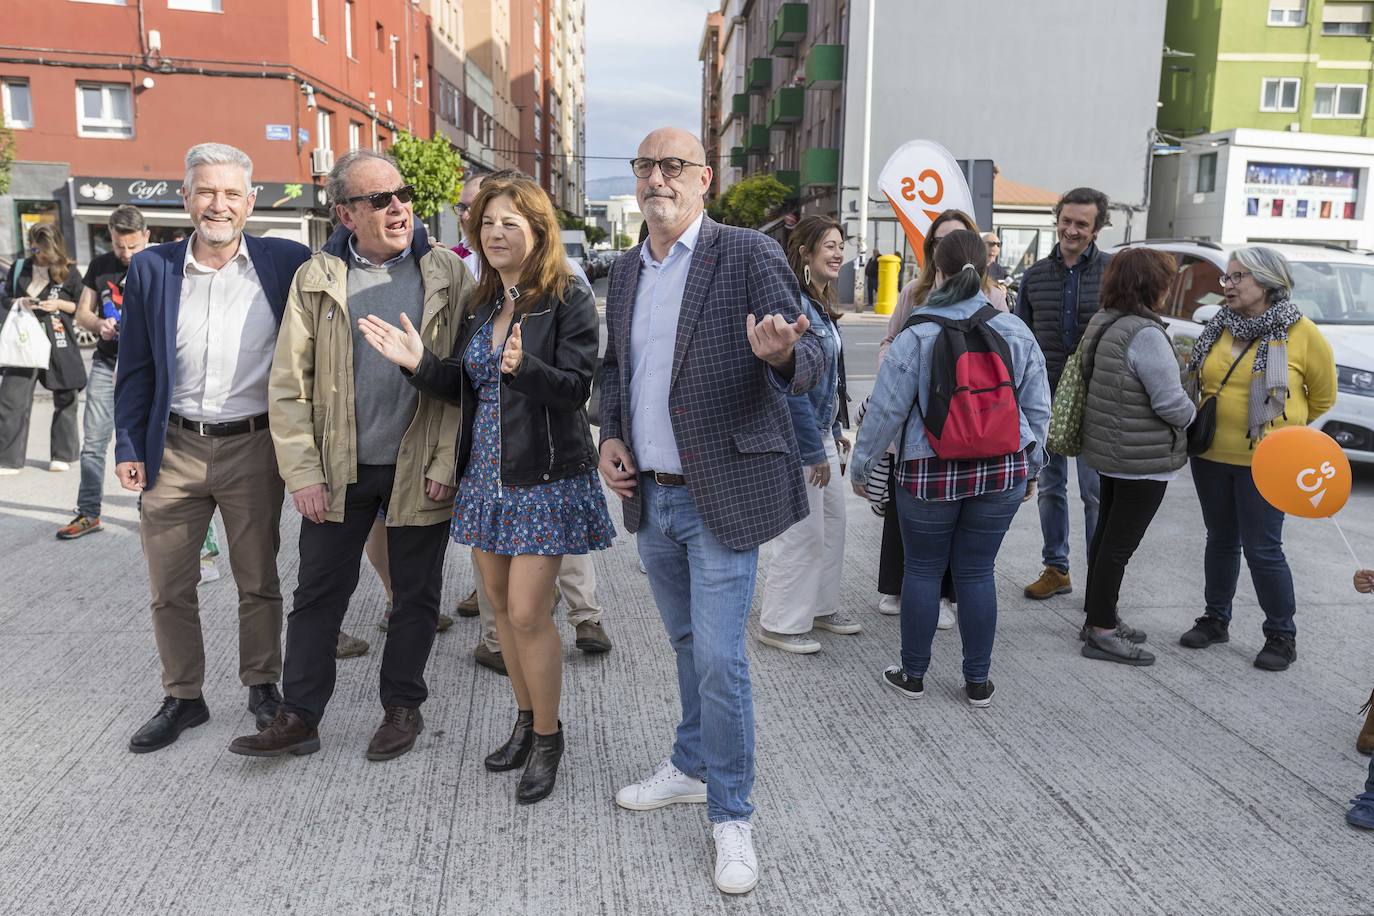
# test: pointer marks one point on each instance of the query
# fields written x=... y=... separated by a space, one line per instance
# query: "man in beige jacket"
x=353 y=437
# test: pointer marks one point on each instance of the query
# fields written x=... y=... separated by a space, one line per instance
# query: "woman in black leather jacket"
x=528 y=489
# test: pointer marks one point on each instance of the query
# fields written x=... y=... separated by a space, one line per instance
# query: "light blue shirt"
x=365 y=262
x=653 y=338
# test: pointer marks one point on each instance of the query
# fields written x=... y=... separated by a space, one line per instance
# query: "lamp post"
x=861 y=239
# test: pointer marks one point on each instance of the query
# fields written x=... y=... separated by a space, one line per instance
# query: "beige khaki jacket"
x=310 y=391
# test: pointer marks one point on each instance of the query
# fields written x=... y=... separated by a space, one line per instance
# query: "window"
x=355 y=135
x=317 y=19
x=1198 y=284
x=539 y=169
x=322 y=132
x=195 y=6
x=1338 y=102
x=394 y=76
x=105 y=2
x=1287 y=12
x=348 y=27
x=1279 y=94
x=538 y=123
x=381 y=37
x=1206 y=173
x=15 y=100
x=416 y=83
x=1346 y=18
x=103 y=110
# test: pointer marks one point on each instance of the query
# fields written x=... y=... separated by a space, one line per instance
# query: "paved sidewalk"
x=1200 y=785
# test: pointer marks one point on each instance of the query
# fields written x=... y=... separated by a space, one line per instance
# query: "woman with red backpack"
x=963 y=395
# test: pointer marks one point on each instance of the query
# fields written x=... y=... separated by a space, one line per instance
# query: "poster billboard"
x=1279 y=190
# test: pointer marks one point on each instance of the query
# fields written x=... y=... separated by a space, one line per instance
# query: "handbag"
x=1204 y=426
x=1065 y=435
x=23 y=345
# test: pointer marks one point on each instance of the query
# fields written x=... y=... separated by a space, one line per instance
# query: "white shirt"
x=226 y=334
x=653 y=341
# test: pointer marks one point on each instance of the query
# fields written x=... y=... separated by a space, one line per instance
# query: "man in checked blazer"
x=705 y=336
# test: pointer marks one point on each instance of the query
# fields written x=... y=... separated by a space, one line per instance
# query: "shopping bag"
x=23 y=343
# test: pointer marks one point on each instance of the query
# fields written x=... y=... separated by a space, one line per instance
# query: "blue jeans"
x=703 y=590
x=1239 y=519
x=1053 y=500
x=97 y=426
x=963 y=535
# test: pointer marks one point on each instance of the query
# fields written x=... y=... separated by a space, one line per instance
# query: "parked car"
x=575 y=244
x=1333 y=286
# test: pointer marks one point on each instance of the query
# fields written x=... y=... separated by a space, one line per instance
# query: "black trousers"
x=1124 y=514
x=17 y=388
x=892 y=555
x=330 y=556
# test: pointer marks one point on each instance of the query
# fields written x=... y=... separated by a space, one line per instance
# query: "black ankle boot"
x=512 y=754
x=542 y=769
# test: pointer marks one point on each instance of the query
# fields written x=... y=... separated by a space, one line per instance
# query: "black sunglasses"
x=671 y=166
x=382 y=199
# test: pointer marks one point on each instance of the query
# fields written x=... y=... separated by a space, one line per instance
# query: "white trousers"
x=807 y=559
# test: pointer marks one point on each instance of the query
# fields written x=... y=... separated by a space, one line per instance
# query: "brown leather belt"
x=667 y=480
x=228 y=428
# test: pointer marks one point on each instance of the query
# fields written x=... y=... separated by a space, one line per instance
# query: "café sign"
x=165 y=192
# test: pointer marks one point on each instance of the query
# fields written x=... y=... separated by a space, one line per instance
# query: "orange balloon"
x=1302 y=471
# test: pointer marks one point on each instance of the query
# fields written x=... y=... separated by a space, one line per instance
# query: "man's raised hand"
x=773 y=338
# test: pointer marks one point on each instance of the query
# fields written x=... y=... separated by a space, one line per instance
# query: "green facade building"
x=1288 y=65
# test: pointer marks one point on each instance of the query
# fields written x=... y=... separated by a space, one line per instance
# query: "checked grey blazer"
x=733 y=430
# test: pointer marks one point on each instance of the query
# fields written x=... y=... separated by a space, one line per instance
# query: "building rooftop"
x=1014 y=193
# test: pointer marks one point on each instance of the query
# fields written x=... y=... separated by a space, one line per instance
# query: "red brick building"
x=105 y=97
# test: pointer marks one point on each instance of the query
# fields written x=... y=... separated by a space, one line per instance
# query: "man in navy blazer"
x=196 y=342
x=705 y=337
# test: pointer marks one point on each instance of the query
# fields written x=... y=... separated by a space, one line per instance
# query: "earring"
x=806 y=274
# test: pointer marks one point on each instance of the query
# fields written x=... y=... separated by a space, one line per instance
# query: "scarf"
x=1269 y=380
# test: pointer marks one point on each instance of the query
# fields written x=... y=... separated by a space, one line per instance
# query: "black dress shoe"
x=512 y=754
x=175 y=716
x=263 y=702
x=542 y=769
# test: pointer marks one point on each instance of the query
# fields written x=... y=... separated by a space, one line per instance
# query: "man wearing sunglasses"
x=704 y=338
x=354 y=437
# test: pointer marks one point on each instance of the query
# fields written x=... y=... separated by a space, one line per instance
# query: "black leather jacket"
x=543 y=407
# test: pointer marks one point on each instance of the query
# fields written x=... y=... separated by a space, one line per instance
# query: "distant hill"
x=602 y=188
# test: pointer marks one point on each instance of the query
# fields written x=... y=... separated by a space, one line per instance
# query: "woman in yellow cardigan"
x=1284 y=375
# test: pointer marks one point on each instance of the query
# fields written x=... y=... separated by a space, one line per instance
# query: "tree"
x=595 y=234
x=748 y=202
x=6 y=154
x=433 y=168
x=623 y=241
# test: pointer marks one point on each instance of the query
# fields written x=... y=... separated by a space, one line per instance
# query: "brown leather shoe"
x=1365 y=743
x=490 y=660
x=288 y=734
x=350 y=646
x=1051 y=582
x=468 y=606
x=397 y=733
x=592 y=638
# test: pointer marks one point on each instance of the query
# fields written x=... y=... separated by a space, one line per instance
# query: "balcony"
x=739 y=107
x=756 y=138
x=759 y=75
x=791 y=178
x=785 y=107
x=825 y=67
x=739 y=159
x=788 y=28
x=820 y=167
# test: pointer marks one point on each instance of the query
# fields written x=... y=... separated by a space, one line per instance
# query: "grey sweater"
x=384 y=402
x=1152 y=359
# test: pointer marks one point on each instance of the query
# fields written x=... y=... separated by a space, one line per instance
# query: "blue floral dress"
x=551 y=519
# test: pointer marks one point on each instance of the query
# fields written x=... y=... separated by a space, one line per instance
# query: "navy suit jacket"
x=148 y=338
x=728 y=410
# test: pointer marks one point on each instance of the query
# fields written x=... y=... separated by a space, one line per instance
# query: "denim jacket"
x=905 y=373
x=812 y=411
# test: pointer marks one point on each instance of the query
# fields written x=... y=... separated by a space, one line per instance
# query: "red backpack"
x=973 y=410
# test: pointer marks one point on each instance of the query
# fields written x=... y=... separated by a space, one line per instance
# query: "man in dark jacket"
x=1057 y=299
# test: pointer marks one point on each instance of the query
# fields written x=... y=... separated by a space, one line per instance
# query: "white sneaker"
x=737 y=868
x=56 y=466
x=947 y=615
x=9 y=472
x=891 y=605
x=796 y=643
x=668 y=786
x=842 y=622
x=208 y=572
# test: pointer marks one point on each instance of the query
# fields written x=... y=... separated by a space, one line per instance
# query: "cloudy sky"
x=642 y=73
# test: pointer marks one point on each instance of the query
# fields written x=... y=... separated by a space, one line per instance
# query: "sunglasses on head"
x=382 y=199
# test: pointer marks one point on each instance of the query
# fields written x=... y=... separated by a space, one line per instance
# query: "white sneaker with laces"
x=58 y=466
x=737 y=868
x=891 y=605
x=9 y=472
x=842 y=622
x=947 y=615
x=796 y=643
x=667 y=786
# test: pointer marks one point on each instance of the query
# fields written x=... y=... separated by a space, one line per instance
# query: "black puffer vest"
x=1040 y=303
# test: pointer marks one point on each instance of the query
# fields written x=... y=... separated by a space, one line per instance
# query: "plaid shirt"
x=938 y=480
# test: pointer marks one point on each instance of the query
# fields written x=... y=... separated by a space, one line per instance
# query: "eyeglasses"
x=462 y=209
x=1235 y=278
x=671 y=166
x=994 y=244
x=382 y=199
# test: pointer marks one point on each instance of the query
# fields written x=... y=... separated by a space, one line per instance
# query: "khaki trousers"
x=576 y=579
x=237 y=474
